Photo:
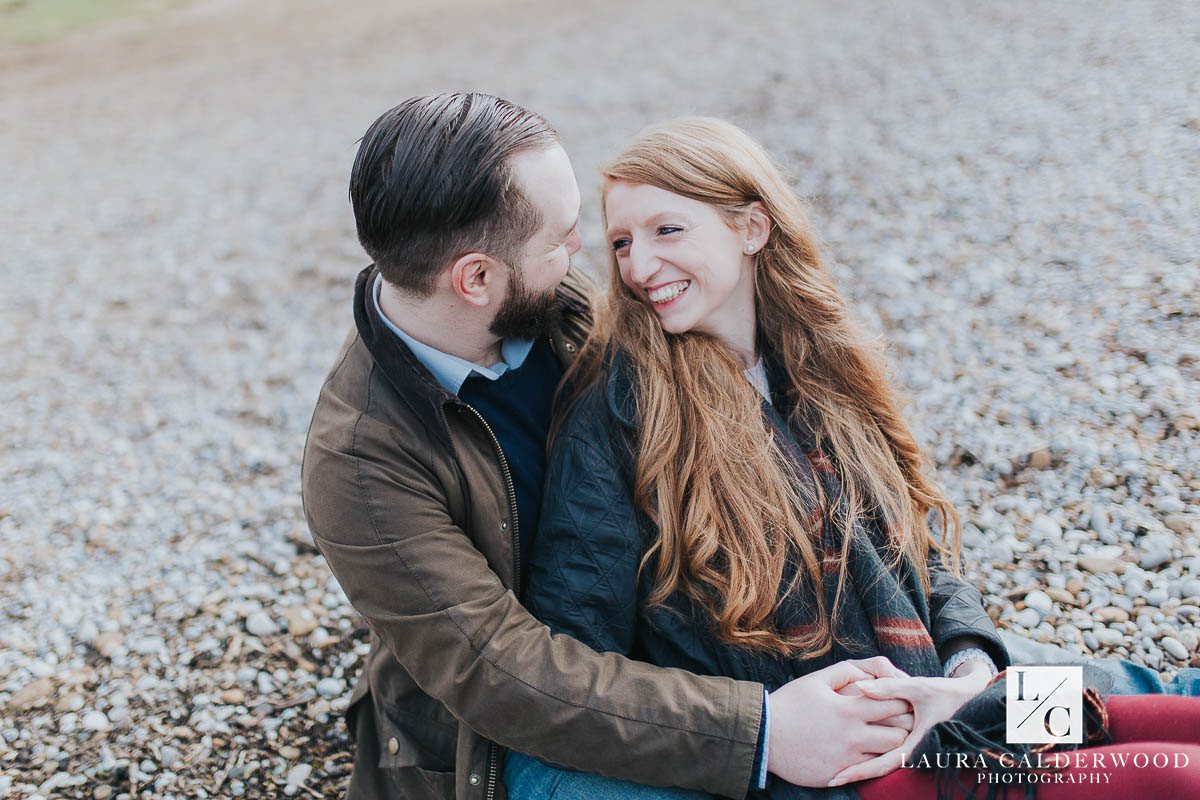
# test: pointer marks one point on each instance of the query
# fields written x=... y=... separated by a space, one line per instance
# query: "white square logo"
x=1045 y=704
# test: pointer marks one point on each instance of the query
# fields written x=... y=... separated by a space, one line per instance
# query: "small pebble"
x=1154 y=558
x=260 y=624
x=299 y=774
x=170 y=757
x=1101 y=566
x=95 y=721
x=1039 y=601
x=1174 y=647
x=1029 y=618
x=1110 y=614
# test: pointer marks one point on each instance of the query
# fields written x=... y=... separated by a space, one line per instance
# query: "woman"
x=732 y=489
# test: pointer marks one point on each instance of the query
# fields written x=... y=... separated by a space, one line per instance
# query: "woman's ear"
x=474 y=278
x=758 y=227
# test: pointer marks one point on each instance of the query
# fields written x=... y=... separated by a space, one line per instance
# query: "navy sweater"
x=517 y=408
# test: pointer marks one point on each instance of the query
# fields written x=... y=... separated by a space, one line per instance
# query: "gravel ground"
x=1009 y=192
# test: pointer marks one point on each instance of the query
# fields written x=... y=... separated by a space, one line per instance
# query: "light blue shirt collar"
x=451 y=371
x=757 y=375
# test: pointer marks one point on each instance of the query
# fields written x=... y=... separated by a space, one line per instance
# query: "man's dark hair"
x=432 y=181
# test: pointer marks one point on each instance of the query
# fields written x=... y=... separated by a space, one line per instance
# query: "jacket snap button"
x=474 y=779
x=393 y=746
x=503 y=524
x=570 y=347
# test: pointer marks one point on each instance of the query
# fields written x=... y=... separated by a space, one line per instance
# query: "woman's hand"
x=933 y=700
x=904 y=720
x=817 y=731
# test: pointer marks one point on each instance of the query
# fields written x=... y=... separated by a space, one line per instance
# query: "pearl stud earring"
x=749 y=249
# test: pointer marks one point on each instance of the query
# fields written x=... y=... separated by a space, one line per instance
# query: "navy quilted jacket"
x=582 y=568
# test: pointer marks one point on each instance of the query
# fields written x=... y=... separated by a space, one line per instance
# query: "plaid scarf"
x=882 y=610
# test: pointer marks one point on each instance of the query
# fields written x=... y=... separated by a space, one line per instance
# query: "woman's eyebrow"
x=654 y=219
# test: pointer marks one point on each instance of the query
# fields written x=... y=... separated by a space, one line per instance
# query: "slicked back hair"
x=432 y=181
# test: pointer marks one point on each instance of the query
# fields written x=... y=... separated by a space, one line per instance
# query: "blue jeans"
x=1128 y=678
x=530 y=779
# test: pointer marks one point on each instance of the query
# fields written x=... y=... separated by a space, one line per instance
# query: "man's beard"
x=524 y=314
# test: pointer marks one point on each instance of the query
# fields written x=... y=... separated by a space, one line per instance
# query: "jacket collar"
x=413 y=381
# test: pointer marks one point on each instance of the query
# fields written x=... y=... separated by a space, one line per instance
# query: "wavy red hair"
x=728 y=509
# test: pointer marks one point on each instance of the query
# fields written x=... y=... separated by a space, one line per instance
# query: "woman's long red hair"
x=728 y=508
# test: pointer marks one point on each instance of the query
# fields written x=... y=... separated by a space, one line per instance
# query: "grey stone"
x=1039 y=601
x=1045 y=529
x=170 y=757
x=1156 y=597
x=1154 y=558
x=1030 y=618
x=1174 y=647
x=95 y=721
x=260 y=624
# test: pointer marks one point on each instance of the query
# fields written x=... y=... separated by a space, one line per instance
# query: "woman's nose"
x=642 y=263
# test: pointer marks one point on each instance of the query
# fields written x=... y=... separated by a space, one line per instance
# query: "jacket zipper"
x=515 y=538
x=493 y=763
x=493 y=760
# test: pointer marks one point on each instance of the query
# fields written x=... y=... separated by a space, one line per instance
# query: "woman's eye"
x=666 y=229
x=619 y=245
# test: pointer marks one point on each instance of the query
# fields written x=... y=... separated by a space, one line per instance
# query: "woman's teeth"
x=665 y=294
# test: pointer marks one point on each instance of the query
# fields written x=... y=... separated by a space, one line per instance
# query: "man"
x=422 y=483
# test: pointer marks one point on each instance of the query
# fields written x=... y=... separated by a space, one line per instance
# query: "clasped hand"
x=857 y=720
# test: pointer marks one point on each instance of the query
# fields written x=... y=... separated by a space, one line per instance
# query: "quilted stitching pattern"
x=584 y=560
x=956 y=609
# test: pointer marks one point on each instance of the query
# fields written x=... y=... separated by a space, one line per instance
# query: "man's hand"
x=817 y=731
x=933 y=700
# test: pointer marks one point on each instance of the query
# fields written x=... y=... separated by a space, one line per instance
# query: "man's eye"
x=665 y=229
x=619 y=245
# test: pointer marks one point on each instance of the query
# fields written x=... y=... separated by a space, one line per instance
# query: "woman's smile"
x=666 y=295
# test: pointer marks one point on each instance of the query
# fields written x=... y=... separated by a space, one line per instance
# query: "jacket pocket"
x=417 y=732
x=417 y=748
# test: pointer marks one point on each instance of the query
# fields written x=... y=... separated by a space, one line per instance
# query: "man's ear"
x=475 y=278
